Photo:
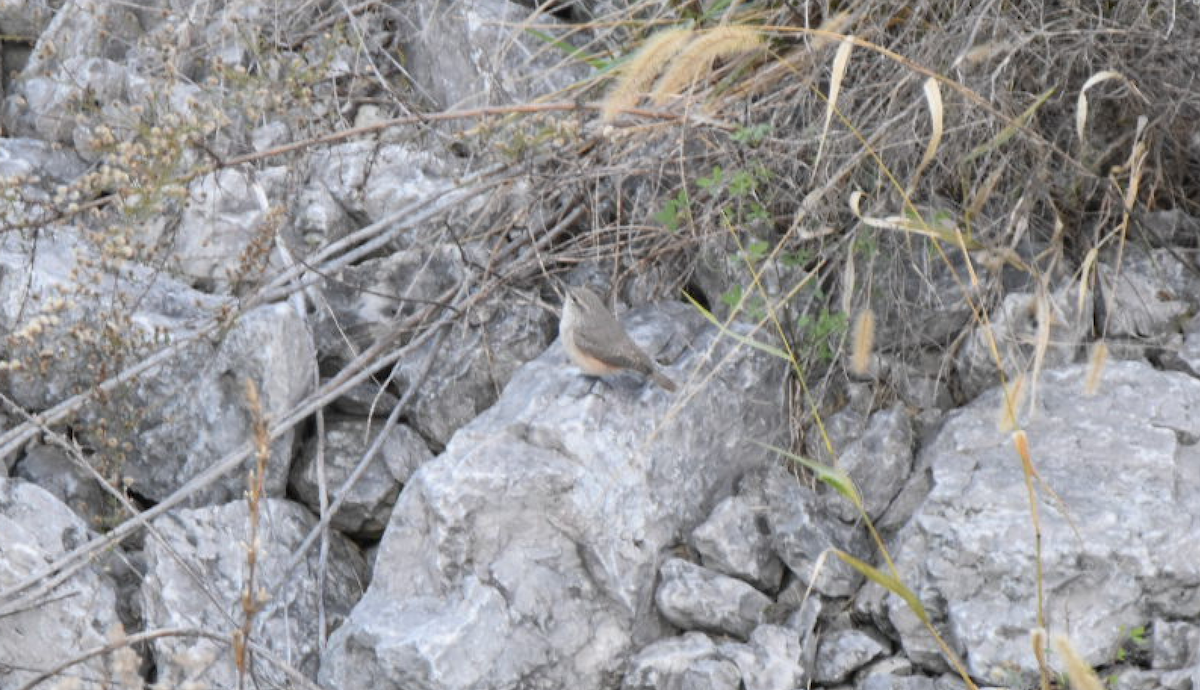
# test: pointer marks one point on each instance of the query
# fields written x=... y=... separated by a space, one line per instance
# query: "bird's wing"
x=623 y=353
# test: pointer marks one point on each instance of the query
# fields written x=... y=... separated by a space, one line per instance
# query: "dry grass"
x=894 y=160
x=986 y=148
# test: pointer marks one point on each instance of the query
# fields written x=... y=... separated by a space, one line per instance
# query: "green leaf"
x=1138 y=634
x=745 y=340
x=753 y=135
x=742 y=183
x=674 y=211
x=570 y=50
x=713 y=180
x=758 y=213
x=891 y=584
x=1009 y=131
x=755 y=251
x=795 y=259
x=732 y=296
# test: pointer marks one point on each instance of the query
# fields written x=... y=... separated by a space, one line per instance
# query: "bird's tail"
x=663 y=380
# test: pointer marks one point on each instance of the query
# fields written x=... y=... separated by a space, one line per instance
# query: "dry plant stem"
x=772 y=310
x=367 y=56
x=323 y=504
x=14 y=438
x=343 y=491
x=73 y=451
x=567 y=222
x=712 y=371
x=473 y=113
x=967 y=93
x=11 y=440
x=250 y=599
x=358 y=370
x=533 y=253
x=370 y=238
x=470 y=114
x=981 y=316
x=282 y=286
x=295 y=676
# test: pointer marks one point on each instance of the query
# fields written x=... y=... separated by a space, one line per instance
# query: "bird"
x=598 y=344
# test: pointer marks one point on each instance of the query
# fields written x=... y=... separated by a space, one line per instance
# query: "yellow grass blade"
x=1081 y=103
x=1085 y=272
x=1010 y=404
x=933 y=98
x=1037 y=637
x=891 y=584
x=917 y=226
x=1095 y=370
x=745 y=340
x=1009 y=130
x=837 y=479
x=840 y=60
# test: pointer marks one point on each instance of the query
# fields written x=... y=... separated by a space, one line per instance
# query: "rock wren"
x=597 y=343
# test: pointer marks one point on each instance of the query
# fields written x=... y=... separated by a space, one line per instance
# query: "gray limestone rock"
x=1170 y=227
x=195 y=580
x=1187 y=357
x=368 y=180
x=110 y=63
x=804 y=621
x=464 y=55
x=1015 y=327
x=803 y=532
x=769 y=660
x=887 y=681
x=695 y=598
x=1180 y=679
x=472 y=364
x=26 y=17
x=664 y=663
x=693 y=661
x=525 y=555
x=1132 y=678
x=1117 y=541
x=889 y=666
x=48 y=105
x=364 y=299
x=78 y=614
x=224 y=214
x=60 y=304
x=921 y=379
x=32 y=171
x=53 y=470
x=843 y=652
x=56 y=298
x=1175 y=644
x=879 y=461
x=369 y=502
x=733 y=541
x=366 y=399
x=197 y=411
x=1147 y=294
x=472 y=361
x=710 y=674
x=841 y=428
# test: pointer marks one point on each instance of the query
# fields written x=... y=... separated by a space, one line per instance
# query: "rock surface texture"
x=193 y=574
x=78 y=614
x=369 y=210
x=1109 y=565
x=526 y=553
